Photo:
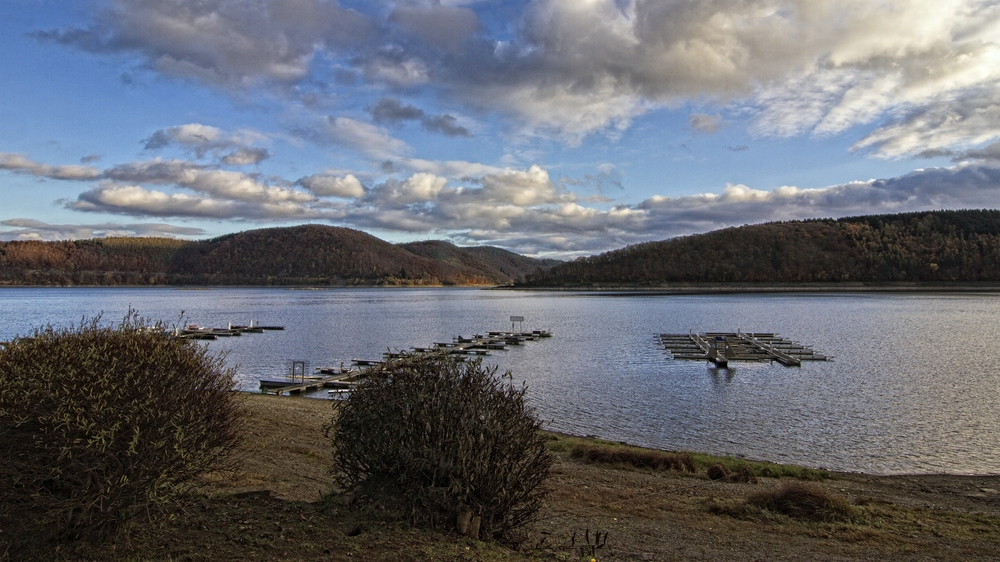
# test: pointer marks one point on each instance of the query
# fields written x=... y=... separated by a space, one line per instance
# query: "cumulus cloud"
x=245 y=156
x=519 y=208
x=446 y=125
x=28 y=229
x=922 y=73
x=448 y=27
x=235 y=186
x=327 y=185
x=392 y=112
x=232 y=43
x=201 y=139
x=375 y=142
x=136 y=200
x=21 y=165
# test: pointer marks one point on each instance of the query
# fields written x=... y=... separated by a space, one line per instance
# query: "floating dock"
x=722 y=347
x=342 y=380
x=196 y=332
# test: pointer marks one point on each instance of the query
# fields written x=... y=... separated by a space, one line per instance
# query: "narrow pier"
x=196 y=332
x=342 y=380
x=722 y=347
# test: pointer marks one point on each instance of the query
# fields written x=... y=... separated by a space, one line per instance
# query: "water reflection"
x=721 y=374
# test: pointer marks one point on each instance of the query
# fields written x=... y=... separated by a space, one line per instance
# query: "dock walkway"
x=460 y=348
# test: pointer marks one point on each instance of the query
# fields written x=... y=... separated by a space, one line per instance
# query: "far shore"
x=663 y=289
x=737 y=288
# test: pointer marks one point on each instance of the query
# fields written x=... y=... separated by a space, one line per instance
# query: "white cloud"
x=418 y=188
x=570 y=68
x=232 y=43
x=19 y=164
x=201 y=139
x=235 y=186
x=28 y=229
x=521 y=206
x=376 y=142
x=138 y=201
x=327 y=185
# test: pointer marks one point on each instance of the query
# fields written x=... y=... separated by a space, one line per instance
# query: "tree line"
x=938 y=246
x=302 y=255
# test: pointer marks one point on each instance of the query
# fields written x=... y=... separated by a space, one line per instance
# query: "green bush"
x=443 y=438
x=99 y=422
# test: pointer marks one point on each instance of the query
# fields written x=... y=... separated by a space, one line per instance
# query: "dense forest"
x=931 y=247
x=302 y=255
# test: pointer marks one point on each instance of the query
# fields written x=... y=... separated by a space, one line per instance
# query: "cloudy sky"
x=549 y=127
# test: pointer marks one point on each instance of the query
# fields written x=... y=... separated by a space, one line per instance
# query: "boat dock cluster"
x=342 y=379
x=722 y=347
x=196 y=332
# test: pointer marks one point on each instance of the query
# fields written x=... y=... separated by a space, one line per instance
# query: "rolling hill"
x=301 y=255
x=928 y=247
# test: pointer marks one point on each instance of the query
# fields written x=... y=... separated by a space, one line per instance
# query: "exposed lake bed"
x=912 y=388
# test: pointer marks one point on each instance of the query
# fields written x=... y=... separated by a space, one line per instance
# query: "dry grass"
x=640 y=514
x=638 y=458
x=801 y=500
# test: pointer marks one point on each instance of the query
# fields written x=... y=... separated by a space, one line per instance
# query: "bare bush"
x=99 y=422
x=446 y=438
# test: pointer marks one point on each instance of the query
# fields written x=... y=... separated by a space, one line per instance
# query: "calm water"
x=914 y=388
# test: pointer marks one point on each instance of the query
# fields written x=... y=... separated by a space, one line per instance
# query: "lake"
x=914 y=386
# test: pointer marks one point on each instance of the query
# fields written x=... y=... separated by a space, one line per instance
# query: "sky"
x=552 y=128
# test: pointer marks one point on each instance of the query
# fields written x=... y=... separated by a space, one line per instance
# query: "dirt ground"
x=273 y=508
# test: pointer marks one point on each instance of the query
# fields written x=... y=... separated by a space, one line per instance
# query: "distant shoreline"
x=665 y=289
x=744 y=288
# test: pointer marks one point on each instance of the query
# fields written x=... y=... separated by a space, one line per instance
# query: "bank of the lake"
x=762 y=288
x=273 y=509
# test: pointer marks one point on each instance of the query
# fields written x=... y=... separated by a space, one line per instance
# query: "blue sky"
x=548 y=127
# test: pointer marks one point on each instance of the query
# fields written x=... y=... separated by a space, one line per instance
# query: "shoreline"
x=765 y=288
x=665 y=289
x=297 y=405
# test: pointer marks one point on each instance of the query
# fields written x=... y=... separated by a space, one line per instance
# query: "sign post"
x=519 y=320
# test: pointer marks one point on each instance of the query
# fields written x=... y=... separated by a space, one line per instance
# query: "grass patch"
x=803 y=500
x=733 y=469
x=761 y=469
x=639 y=458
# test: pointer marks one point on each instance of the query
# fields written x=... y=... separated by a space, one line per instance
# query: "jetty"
x=196 y=332
x=340 y=381
x=722 y=347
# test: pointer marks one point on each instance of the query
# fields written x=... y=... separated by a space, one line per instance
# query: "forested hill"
x=936 y=247
x=302 y=255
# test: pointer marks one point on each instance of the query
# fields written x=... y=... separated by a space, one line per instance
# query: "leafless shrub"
x=97 y=423
x=446 y=438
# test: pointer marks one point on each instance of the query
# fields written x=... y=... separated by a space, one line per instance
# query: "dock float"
x=722 y=347
x=342 y=380
x=196 y=332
